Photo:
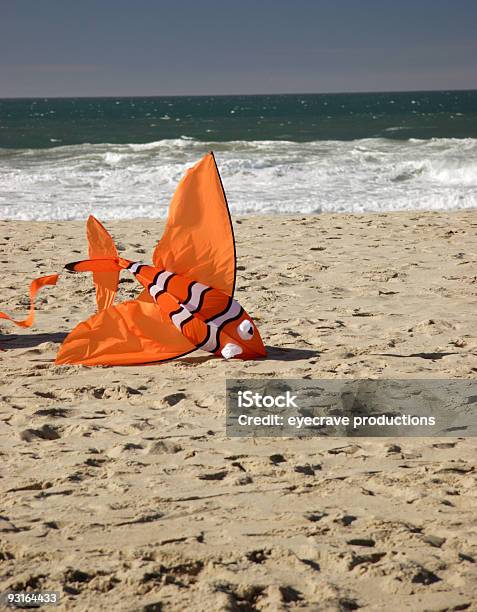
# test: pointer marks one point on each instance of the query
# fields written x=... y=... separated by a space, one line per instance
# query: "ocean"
x=121 y=158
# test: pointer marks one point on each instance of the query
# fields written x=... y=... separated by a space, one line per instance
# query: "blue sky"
x=185 y=47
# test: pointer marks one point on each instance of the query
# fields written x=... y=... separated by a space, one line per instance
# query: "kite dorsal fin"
x=198 y=240
x=101 y=246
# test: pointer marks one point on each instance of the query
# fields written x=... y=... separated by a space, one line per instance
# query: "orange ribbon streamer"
x=35 y=286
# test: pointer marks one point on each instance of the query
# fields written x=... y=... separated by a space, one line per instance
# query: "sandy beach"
x=120 y=490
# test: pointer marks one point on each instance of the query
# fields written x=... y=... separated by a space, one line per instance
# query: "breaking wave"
x=124 y=181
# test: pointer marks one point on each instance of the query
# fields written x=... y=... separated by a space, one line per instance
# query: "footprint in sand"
x=162 y=447
x=174 y=398
x=53 y=412
x=46 y=432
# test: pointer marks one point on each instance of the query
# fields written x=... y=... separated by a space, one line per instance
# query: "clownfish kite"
x=187 y=302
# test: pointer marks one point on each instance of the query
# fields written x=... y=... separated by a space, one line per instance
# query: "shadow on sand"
x=277 y=353
x=30 y=340
x=432 y=356
x=274 y=353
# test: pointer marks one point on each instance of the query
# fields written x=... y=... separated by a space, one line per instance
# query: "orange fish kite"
x=187 y=302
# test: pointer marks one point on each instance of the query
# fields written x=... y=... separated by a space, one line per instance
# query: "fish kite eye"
x=245 y=330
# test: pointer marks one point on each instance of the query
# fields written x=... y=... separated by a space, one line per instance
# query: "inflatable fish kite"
x=187 y=300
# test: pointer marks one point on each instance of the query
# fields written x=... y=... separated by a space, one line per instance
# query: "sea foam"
x=123 y=181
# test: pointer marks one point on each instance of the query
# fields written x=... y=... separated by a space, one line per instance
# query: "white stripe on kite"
x=232 y=312
x=135 y=266
x=197 y=291
x=211 y=344
x=161 y=280
x=179 y=318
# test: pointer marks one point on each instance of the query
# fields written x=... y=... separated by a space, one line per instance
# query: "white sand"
x=120 y=490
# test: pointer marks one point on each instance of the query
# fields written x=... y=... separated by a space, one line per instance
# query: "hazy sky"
x=153 y=47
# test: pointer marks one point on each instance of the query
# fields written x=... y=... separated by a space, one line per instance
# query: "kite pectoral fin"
x=198 y=240
x=101 y=246
x=130 y=333
x=35 y=286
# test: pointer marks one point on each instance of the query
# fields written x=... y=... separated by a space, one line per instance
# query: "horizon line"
x=225 y=95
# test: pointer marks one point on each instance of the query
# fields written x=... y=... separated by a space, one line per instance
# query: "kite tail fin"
x=101 y=246
x=107 y=265
x=35 y=286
